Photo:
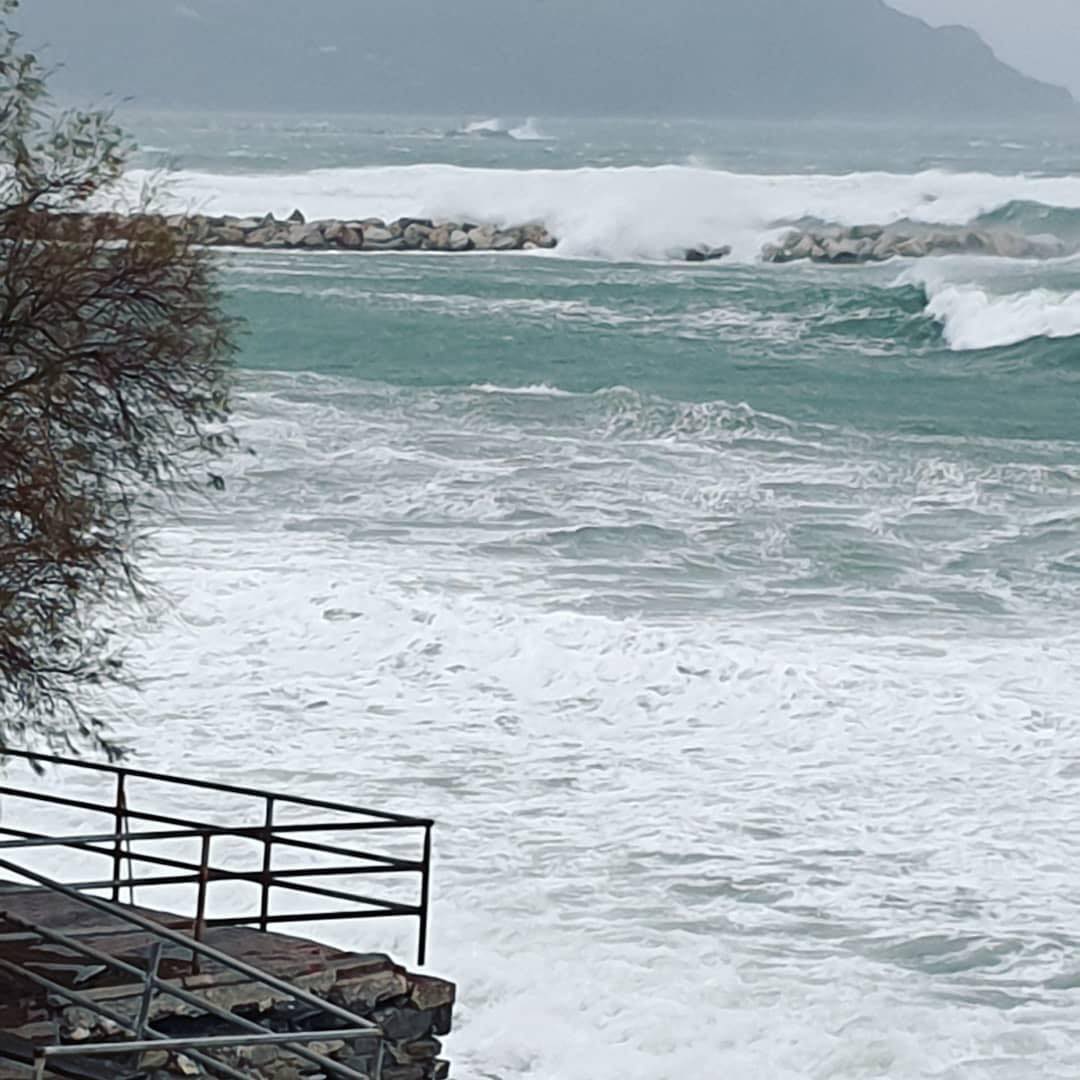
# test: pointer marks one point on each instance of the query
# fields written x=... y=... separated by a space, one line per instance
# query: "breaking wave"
x=632 y=213
x=995 y=309
x=529 y=131
x=973 y=318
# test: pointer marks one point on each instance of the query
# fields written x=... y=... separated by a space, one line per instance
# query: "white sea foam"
x=493 y=126
x=993 y=313
x=683 y=838
x=625 y=212
x=536 y=390
x=529 y=132
x=974 y=318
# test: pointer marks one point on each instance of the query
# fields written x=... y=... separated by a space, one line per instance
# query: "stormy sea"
x=725 y=616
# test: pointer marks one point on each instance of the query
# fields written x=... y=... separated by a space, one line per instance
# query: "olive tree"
x=114 y=367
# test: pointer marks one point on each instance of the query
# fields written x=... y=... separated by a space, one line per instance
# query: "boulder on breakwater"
x=707 y=253
x=359 y=234
x=877 y=243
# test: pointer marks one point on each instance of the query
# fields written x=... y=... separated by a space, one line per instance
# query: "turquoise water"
x=725 y=617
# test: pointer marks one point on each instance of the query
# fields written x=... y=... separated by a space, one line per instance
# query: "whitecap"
x=535 y=390
x=974 y=318
x=529 y=132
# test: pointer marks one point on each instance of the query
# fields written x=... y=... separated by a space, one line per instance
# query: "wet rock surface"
x=368 y=234
x=878 y=243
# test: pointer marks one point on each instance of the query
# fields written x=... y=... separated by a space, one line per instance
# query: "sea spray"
x=624 y=213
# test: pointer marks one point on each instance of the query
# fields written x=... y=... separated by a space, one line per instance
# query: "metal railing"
x=147 y=983
x=191 y=1047
x=276 y=825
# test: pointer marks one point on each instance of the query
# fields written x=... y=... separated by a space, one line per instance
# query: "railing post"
x=268 y=856
x=153 y=962
x=119 y=818
x=198 y=930
x=425 y=898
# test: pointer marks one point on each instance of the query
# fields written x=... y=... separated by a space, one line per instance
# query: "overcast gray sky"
x=1040 y=37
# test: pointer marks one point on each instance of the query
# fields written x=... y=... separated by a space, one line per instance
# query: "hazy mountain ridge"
x=768 y=57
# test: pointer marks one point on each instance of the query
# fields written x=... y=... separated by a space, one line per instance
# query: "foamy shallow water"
x=685 y=829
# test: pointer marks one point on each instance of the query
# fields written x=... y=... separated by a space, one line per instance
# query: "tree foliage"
x=114 y=363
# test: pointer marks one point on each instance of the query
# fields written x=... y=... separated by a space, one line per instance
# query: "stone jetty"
x=362 y=234
x=829 y=244
x=877 y=243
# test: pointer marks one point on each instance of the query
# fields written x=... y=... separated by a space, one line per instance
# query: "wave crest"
x=627 y=213
x=493 y=127
x=972 y=318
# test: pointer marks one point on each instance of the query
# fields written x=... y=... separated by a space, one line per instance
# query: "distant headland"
x=735 y=58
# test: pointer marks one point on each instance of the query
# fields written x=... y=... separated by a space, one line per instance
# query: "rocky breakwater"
x=366 y=234
x=877 y=243
x=375 y=234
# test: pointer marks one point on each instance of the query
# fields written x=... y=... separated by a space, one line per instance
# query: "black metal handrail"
x=273 y=835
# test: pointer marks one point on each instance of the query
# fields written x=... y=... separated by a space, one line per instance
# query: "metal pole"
x=268 y=858
x=425 y=897
x=199 y=929
x=203 y=1042
x=119 y=815
x=152 y=965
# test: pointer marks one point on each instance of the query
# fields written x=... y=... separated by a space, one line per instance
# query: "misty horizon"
x=766 y=58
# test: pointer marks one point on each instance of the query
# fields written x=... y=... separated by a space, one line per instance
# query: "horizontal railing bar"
x=210 y=785
x=32 y=839
x=309 y=916
x=253 y=877
x=129 y=883
x=165 y=819
x=346 y=871
x=351 y=898
x=203 y=1042
x=333 y=849
x=223 y=874
x=153 y=860
x=342 y=826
